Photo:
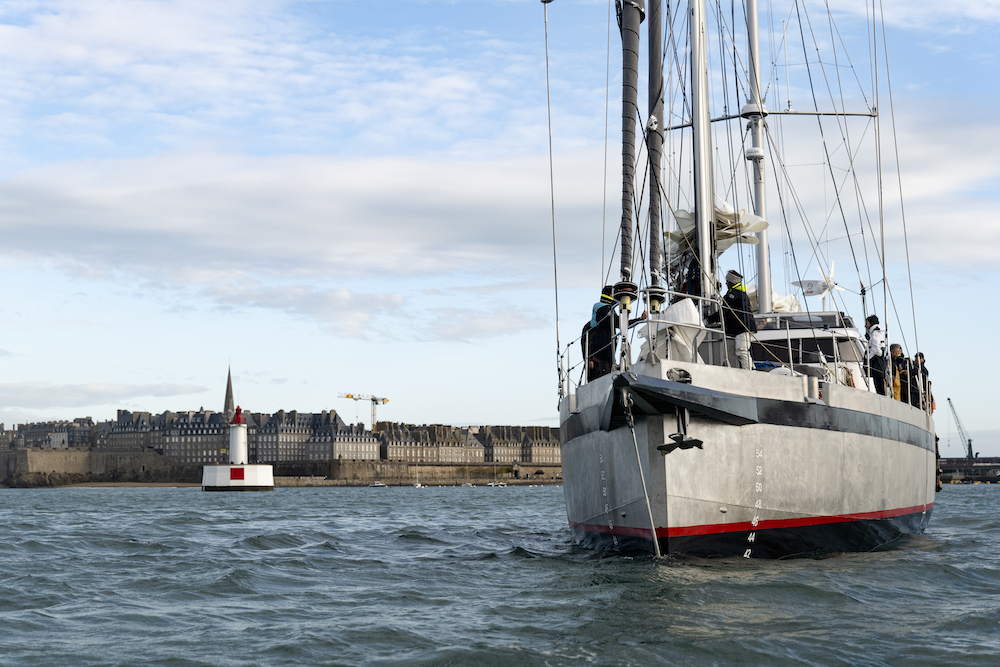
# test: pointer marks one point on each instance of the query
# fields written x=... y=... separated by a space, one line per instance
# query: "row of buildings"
x=202 y=436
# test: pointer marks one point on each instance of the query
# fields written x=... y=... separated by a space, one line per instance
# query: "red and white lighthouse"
x=239 y=475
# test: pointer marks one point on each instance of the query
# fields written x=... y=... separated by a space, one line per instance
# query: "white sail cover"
x=779 y=304
x=731 y=227
x=679 y=324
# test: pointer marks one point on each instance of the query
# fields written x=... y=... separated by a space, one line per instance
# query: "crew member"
x=876 y=353
x=737 y=318
x=599 y=336
x=900 y=373
x=921 y=364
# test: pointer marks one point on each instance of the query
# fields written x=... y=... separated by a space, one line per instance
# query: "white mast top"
x=702 y=125
x=755 y=112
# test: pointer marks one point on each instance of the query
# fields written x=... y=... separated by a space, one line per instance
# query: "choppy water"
x=456 y=576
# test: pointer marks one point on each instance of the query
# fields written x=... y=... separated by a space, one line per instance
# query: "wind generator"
x=819 y=288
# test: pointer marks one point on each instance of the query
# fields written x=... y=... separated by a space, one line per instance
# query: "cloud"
x=5 y=353
x=469 y=325
x=196 y=218
x=337 y=240
x=38 y=395
x=346 y=312
x=271 y=75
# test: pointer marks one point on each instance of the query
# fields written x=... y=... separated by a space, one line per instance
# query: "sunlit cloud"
x=39 y=395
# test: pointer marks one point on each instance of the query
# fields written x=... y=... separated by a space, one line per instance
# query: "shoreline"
x=279 y=484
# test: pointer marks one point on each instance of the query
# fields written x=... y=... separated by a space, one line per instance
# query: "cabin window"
x=803 y=351
x=817 y=350
x=773 y=351
x=850 y=350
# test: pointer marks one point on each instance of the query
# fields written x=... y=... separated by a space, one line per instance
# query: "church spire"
x=230 y=408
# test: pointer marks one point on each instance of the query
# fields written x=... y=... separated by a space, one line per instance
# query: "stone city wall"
x=46 y=467
x=399 y=473
x=42 y=467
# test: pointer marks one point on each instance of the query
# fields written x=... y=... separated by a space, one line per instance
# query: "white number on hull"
x=607 y=509
x=758 y=488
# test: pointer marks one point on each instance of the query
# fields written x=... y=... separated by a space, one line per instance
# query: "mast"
x=632 y=14
x=754 y=111
x=701 y=124
x=654 y=146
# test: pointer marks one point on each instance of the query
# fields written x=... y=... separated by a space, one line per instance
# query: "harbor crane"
x=365 y=397
x=966 y=440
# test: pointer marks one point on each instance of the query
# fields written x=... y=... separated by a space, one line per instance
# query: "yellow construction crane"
x=365 y=397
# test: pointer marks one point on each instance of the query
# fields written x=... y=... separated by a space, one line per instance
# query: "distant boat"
x=377 y=485
x=503 y=484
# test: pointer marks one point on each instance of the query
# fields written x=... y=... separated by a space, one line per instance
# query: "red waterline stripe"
x=744 y=526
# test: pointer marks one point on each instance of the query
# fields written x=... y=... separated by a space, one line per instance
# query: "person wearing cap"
x=599 y=336
x=737 y=318
x=876 y=353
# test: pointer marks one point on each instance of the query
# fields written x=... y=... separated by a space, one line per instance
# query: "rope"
x=552 y=194
x=642 y=476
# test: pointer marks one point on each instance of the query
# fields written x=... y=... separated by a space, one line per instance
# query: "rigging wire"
x=604 y=183
x=878 y=164
x=552 y=194
x=826 y=149
x=899 y=181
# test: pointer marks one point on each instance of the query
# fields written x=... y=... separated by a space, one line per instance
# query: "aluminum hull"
x=778 y=474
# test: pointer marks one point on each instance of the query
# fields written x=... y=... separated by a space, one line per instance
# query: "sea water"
x=461 y=576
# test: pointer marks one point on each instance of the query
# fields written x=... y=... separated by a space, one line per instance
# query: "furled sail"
x=779 y=304
x=731 y=227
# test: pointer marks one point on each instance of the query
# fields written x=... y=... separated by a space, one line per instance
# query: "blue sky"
x=353 y=197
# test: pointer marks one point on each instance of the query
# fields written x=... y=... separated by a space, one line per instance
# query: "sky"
x=344 y=196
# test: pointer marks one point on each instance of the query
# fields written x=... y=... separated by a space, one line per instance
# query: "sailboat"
x=680 y=451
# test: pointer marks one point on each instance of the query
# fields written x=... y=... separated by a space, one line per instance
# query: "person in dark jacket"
x=921 y=365
x=902 y=369
x=599 y=336
x=737 y=318
x=914 y=379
